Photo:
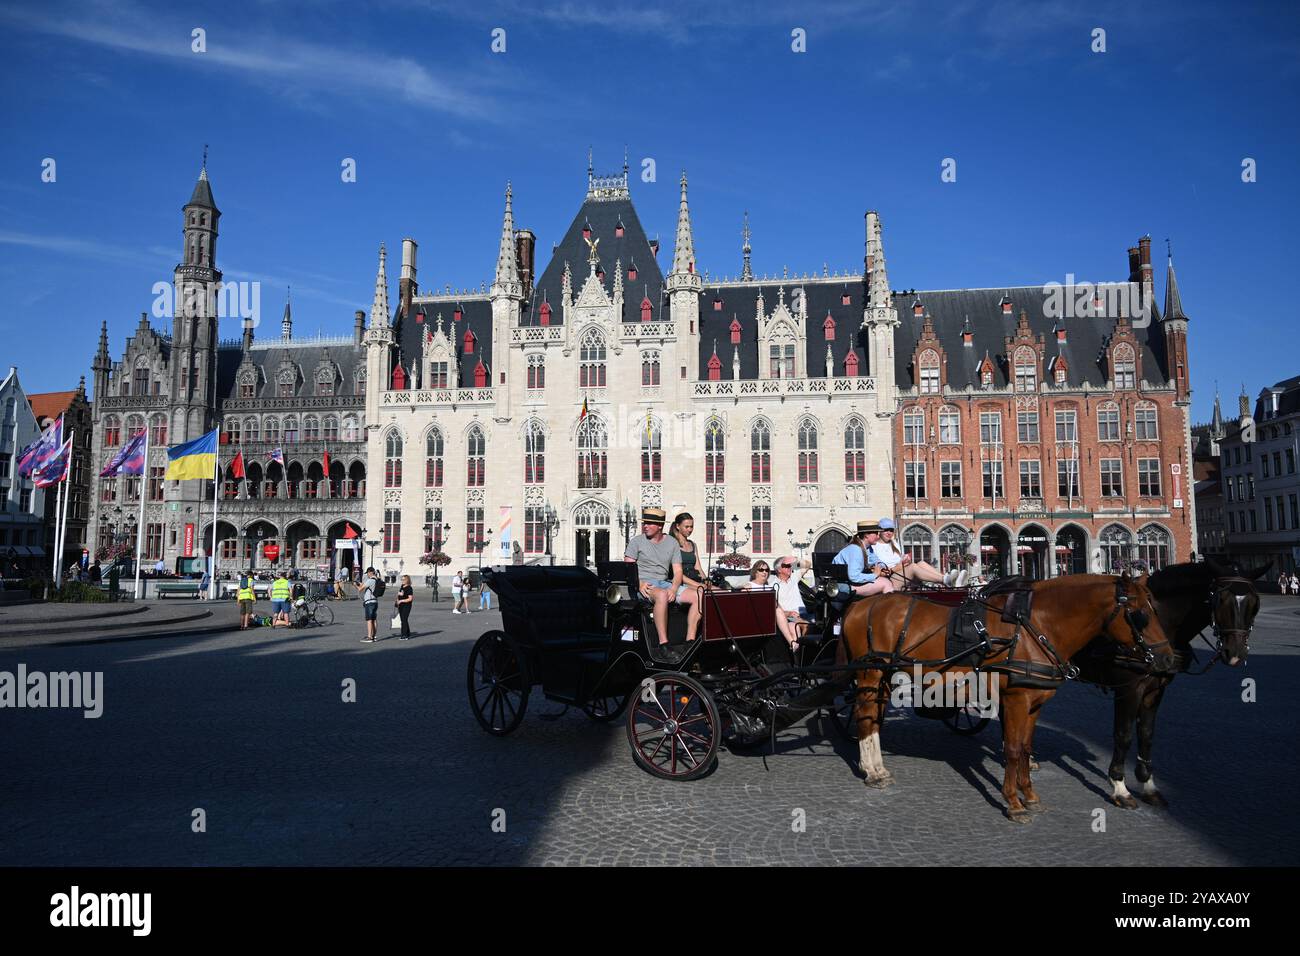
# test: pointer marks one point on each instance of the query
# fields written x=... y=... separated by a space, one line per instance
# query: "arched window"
x=233 y=431
x=158 y=431
x=1145 y=421
x=534 y=454
x=1116 y=547
x=1125 y=367
x=290 y=429
x=855 y=451
x=760 y=454
x=252 y=431
x=949 y=426
x=351 y=432
x=393 y=460
x=715 y=446
x=141 y=381
x=287 y=380
x=651 y=452
x=311 y=428
x=331 y=430
x=433 y=449
x=1154 y=546
x=929 y=365
x=134 y=425
x=916 y=542
x=271 y=430
x=591 y=370
x=112 y=431
x=593 y=445
x=649 y=368
x=537 y=371
x=780 y=354
x=325 y=382
x=361 y=381
x=476 y=460
x=954 y=543
x=808 y=453
x=1108 y=422
x=914 y=427
x=1026 y=370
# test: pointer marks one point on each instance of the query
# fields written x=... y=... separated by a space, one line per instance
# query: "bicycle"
x=312 y=612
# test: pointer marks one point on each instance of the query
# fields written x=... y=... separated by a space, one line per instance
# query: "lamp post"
x=551 y=520
x=627 y=522
x=373 y=544
x=482 y=543
x=800 y=545
x=736 y=542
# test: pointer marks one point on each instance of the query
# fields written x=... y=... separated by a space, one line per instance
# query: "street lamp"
x=800 y=545
x=551 y=520
x=482 y=543
x=736 y=542
x=373 y=544
x=627 y=522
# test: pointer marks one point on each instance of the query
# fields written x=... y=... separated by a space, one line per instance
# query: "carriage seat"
x=553 y=606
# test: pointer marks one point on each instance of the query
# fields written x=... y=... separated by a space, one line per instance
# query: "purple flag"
x=39 y=452
x=55 y=469
x=278 y=455
x=128 y=461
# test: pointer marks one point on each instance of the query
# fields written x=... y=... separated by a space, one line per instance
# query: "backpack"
x=379 y=587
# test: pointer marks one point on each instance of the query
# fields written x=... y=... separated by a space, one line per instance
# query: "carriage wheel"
x=606 y=710
x=967 y=721
x=673 y=727
x=841 y=712
x=323 y=613
x=498 y=683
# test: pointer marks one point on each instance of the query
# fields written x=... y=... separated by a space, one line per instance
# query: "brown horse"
x=1027 y=661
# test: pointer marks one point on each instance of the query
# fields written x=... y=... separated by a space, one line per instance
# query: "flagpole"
x=62 y=526
x=139 y=525
x=216 y=488
x=58 y=529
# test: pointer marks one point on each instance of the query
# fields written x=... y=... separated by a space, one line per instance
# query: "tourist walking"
x=457 y=592
x=484 y=596
x=405 y=601
x=371 y=589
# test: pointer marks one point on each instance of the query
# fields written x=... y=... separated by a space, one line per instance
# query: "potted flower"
x=740 y=562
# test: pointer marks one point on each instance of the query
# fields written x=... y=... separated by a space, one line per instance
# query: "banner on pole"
x=189 y=541
x=504 y=531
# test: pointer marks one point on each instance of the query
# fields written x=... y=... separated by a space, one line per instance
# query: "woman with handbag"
x=405 y=600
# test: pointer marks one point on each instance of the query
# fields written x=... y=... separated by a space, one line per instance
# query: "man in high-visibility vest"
x=280 y=601
x=246 y=597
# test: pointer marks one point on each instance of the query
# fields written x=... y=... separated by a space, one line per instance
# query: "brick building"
x=1042 y=436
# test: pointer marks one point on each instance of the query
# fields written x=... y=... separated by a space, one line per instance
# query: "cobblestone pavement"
x=251 y=727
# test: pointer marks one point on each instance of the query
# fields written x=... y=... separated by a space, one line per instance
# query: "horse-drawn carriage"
x=588 y=640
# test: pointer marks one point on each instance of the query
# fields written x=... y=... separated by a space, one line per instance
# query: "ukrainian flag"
x=194 y=459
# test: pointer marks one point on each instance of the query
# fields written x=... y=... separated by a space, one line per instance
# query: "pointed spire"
x=1243 y=402
x=1216 y=422
x=101 y=353
x=876 y=276
x=286 y=323
x=379 y=315
x=1173 y=301
x=746 y=273
x=684 y=251
x=202 y=195
x=507 y=265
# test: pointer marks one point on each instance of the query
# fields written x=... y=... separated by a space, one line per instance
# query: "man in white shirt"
x=901 y=565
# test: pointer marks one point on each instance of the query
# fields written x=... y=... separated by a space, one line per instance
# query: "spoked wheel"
x=606 y=710
x=498 y=683
x=324 y=614
x=967 y=721
x=841 y=712
x=673 y=727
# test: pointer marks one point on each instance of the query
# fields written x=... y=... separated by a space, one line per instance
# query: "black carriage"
x=588 y=640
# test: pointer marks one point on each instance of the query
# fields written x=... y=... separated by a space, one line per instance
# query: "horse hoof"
x=1020 y=816
x=1035 y=805
x=1154 y=799
x=1033 y=765
x=881 y=782
x=1124 y=803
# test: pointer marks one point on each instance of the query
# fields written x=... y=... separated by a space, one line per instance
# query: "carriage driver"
x=901 y=566
x=658 y=559
x=866 y=575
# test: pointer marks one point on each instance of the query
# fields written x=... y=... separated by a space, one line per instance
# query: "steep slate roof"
x=632 y=247
x=1083 y=350
x=202 y=195
x=476 y=317
x=822 y=295
x=1287 y=404
x=306 y=356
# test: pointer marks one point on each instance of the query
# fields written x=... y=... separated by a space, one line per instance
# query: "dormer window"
x=828 y=328
x=399 y=378
x=646 y=309
x=845 y=298
x=715 y=368
x=928 y=362
x=419 y=317
x=600 y=273
x=480 y=375
x=631 y=273
x=717 y=303
x=1026 y=371
x=851 y=364
x=654 y=246
x=735 y=331
x=586 y=230
x=1125 y=367
x=1006 y=305
x=618 y=229
x=986 y=378
x=468 y=342
x=457 y=315
x=917 y=309
x=546 y=313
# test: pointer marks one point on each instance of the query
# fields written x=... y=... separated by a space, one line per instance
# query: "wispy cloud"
x=300 y=70
x=85 y=249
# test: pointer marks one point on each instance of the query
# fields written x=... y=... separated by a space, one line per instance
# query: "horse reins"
x=1212 y=600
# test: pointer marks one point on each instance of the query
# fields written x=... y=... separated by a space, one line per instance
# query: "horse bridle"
x=1219 y=585
x=1137 y=619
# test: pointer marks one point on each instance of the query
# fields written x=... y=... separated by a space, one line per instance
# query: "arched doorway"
x=256 y=537
x=830 y=541
x=227 y=545
x=591 y=533
x=995 y=551
x=344 y=551
x=954 y=545
x=303 y=545
x=1071 y=550
x=1031 y=551
x=1116 y=542
x=917 y=541
x=1155 y=547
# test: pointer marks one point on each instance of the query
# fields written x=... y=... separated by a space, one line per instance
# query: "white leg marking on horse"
x=1120 y=790
x=877 y=754
x=864 y=755
x=1149 y=785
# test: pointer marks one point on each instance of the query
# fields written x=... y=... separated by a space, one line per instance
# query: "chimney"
x=1134 y=267
x=1243 y=405
x=359 y=327
x=526 y=258
x=407 y=286
x=1144 y=261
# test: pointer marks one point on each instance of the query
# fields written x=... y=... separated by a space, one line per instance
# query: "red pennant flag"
x=326 y=464
x=348 y=532
x=584 y=409
x=237 y=466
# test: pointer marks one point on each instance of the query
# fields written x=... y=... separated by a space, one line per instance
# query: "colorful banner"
x=504 y=529
x=189 y=541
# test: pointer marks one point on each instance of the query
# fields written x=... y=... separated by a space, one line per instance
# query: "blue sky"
x=1064 y=156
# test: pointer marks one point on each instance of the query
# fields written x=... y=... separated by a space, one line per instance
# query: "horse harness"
x=1211 y=600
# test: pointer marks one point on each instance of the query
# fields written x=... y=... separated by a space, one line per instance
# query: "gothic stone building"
x=1043 y=443
x=603 y=385
x=303 y=396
